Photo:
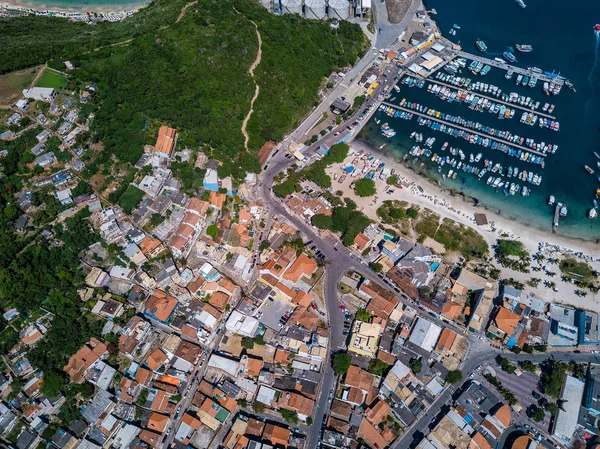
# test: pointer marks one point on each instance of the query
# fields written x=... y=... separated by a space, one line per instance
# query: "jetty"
x=469 y=130
x=493 y=99
x=505 y=66
x=556 y=217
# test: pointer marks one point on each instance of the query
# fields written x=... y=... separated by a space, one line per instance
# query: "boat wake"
x=596 y=57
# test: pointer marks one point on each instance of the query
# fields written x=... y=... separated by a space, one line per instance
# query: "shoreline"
x=72 y=11
x=462 y=211
x=475 y=206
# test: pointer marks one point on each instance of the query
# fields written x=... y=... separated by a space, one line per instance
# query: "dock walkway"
x=494 y=99
x=505 y=66
x=469 y=130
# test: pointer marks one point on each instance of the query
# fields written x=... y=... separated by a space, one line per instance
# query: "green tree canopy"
x=340 y=363
x=365 y=187
x=454 y=376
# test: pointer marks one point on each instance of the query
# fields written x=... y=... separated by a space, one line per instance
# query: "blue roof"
x=468 y=418
x=511 y=343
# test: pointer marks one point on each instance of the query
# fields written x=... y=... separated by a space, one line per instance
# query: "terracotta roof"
x=302 y=299
x=186 y=231
x=503 y=415
x=386 y=357
x=161 y=305
x=143 y=375
x=371 y=435
x=254 y=367
x=217 y=199
x=219 y=300
x=446 y=338
x=282 y=356
x=83 y=359
x=276 y=435
x=149 y=244
x=156 y=359
x=188 y=351
x=479 y=442
x=357 y=377
x=191 y=421
x=157 y=422
x=255 y=427
x=296 y=402
x=196 y=284
x=361 y=241
x=244 y=216
x=148 y=437
x=165 y=141
x=451 y=310
x=378 y=412
x=191 y=219
x=302 y=266
x=356 y=395
x=178 y=243
x=226 y=284
x=506 y=320
x=198 y=206
x=522 y=442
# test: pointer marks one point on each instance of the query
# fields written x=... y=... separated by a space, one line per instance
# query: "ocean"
x=563 y=41
x=83 y=5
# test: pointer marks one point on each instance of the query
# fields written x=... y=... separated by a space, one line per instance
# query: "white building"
x=425 y=334
x=566 y=418
x=240 y=324
x=40 y=94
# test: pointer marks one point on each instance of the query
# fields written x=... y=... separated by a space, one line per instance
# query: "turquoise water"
x=114 y=5
x=564 y=41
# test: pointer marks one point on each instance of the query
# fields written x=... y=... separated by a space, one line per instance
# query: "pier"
x=494 y=99
x=556 y=217
x=505 y=66
x=472 y=131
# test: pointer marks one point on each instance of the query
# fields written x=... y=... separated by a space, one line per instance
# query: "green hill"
x=191 y=75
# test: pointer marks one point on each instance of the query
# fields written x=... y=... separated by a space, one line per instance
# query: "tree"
x=289 y=415
x=415 y=365
x=321 y=221
x=537 y=413
x=377 y=367
x=454 y=376
x=53 y=383
x=376 y=267
x=540 y=348
x=265 y=244
x=413 y=213
x=309 y=421
x=528 y=348
x=259 y=340
x=363 y=315
x=392 y=180
x=340 y=363
x=258 y=407
x=247 y=343
x=552 y=408
x=365 y=187
x=212 y=231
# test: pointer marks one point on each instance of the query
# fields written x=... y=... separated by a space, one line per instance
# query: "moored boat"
x=588 y=169
x=524 y=48
x=481 y=45
x=509 y=56
x=521 y=3
x=592 y=214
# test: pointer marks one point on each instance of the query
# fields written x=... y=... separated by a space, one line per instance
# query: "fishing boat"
x=536 y=69
x=592 y=214
x=597 y=28
x=551 y=200
x=456 y=26
x=597 y=155
x=481 y=45
x=521 y=3
x=589 y=170
x=524 y=48
x=563 y=210
x=509 y=56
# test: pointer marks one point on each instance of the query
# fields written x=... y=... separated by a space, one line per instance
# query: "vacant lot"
x=12 y=84
x=131 y=198
x=51 y=79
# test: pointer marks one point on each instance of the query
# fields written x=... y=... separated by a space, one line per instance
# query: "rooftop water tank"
x=315 y=9
x=339 y=9
x=291 y=6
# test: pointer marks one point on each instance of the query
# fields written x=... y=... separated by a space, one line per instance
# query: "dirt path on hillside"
x=256 y=89
x=38 y=74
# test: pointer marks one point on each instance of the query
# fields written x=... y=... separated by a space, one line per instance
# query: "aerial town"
x=295 y=309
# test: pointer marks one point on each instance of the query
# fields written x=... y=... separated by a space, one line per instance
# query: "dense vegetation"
x=47 y=276
x=579 y=271
x=512 y=254
x=340 y=363
x=365 y=187
x=345 y=220
x=192 y=74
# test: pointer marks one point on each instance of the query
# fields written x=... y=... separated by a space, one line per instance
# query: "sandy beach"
x=61 y=9
x=454 y=207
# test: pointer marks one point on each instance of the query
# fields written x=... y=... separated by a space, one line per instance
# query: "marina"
x=463 y=128
x=504 y=66
x=497 y=100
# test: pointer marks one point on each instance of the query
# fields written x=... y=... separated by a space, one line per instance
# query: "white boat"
x=592 y=214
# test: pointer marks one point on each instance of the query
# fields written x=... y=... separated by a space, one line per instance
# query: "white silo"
x=315 y=9
x=291 y=6
x=339 y=9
